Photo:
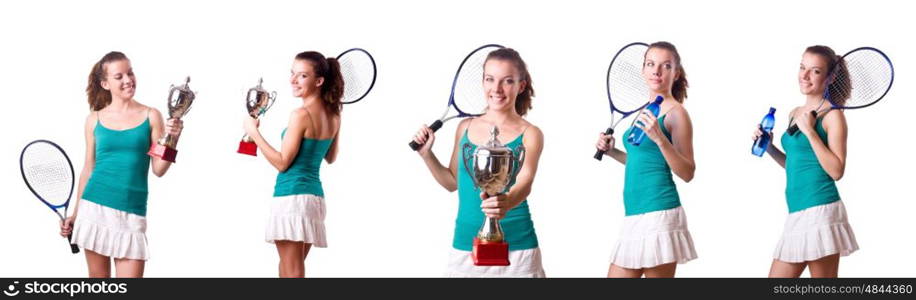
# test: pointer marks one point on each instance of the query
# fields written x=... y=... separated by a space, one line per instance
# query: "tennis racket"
x=467 y=95
x=871 y=75
x=358 y=70
x=48 y=173
x=626 y=89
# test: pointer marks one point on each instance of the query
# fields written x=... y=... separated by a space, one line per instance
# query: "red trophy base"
x=249 y=148
x=163 y=152
x=490 y=253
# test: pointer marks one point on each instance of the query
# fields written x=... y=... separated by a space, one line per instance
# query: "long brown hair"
x=333 y=87
x=523 y=101
x=838 y=85
x=679 y=88
x=99 y=98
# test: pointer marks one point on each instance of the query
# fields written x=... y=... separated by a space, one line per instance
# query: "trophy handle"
x=467 y=153
x=171 y=107
x=271 y=100
x=519 y=161
x=190 y=102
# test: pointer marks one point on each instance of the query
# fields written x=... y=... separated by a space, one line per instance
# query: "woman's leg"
x=781 y=269
x=661 y=271
x=292 y=258
x=825 y=267
x=615 y=271
x=129 y=268
x=99 y=265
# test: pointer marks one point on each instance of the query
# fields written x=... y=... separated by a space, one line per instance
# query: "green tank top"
x=517 y=225
x=302 y=176
x=119 y=177
x=648 y=185
x=807 y=184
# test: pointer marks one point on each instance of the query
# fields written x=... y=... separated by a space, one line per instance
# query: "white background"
x=387 y=216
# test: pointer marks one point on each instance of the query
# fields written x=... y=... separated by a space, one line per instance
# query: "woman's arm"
x=498 y=206
x=66 y=226
x=89 y=162
x=832 y=158
x=295 y=131
x=331 y=156
x=678 y=152
x=445 y=176
x=159 y=128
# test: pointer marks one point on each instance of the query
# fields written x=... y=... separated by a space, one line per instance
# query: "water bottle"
x=761 y=144
x=637 y=134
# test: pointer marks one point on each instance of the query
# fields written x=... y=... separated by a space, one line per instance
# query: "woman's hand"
x=648 y=122
x=758 y=132
x=805 y=122
x=66 y=226
x=426 y=137
x=251 y=125
x=173 y=128
x=605 y=142
x=495 y=206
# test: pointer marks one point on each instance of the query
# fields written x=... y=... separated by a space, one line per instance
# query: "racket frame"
x=55 y=208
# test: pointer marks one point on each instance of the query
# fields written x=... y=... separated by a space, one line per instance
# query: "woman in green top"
x=654 y=238
x=297 y=214
x=817 y=231
x=111 y=222
x=508 y=91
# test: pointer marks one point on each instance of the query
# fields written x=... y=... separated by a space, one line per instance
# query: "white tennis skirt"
x=654 y=238
x=297 y=218
x=110 y=232
x=522 y=264
x=816 y=232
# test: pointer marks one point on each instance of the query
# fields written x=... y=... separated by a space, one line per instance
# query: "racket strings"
x=626 y=87
x=468 y=91
x=48 y=173
x=870 y=76
x=358 y=73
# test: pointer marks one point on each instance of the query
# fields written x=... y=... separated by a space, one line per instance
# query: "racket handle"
x=73 y=248
x=435 y=127
x=600 y=154
x=792 y=130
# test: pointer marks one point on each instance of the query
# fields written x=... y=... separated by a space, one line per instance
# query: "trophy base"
x=490 y=254
x=163 y=152
x=249 y=148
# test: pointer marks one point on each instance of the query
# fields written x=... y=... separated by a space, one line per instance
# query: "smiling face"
x=502 y=83
x=812 y=74
x=660 y=70
x=119 y=79
x=303 y=80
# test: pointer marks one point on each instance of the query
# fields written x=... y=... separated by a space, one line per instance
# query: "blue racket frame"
x=610 y=130
x=73 y=248
x=451 y=98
